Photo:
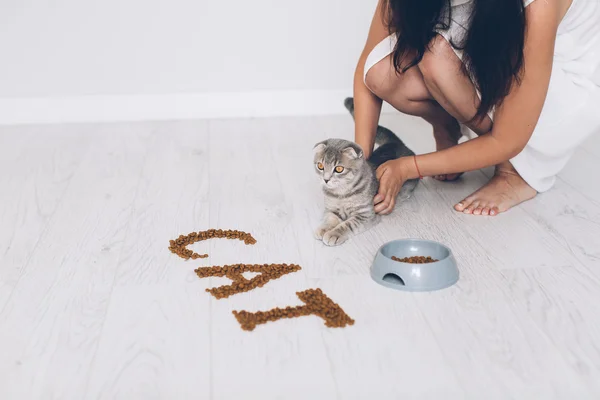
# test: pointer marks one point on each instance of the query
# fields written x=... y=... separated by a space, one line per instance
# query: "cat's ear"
x=319 y=147
x=352 y=153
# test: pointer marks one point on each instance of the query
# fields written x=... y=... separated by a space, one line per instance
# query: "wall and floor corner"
x=82 y=60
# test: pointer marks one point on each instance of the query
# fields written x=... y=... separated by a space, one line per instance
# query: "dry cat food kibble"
x=241 y=284
x=179 y=245
x=316 y=303
x=415 y=260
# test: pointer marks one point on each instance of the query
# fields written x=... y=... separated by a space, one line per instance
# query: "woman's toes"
x=504 y=191
x=471 y=208
x=462 y=205
x=447 y=178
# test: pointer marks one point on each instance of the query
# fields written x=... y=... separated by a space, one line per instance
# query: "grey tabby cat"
x=350 y=184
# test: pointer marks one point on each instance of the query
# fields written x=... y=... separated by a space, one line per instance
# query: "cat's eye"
x=320 y=166
x=339 y=169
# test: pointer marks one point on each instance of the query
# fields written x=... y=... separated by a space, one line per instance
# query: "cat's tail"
x=349 y=104
x=383 y=135
x=390 y=147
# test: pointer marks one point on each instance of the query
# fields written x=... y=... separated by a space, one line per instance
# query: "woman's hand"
x=391 y=176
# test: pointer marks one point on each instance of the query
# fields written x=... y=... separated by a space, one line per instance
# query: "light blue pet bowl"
x=415 y=277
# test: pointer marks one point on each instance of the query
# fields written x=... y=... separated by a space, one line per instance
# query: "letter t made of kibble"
x=316 y=303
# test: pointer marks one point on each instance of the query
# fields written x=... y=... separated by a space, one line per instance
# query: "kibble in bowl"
x=414 y=265
x=415 y=259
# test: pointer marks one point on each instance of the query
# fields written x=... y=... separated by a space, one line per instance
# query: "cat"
x=350 y=184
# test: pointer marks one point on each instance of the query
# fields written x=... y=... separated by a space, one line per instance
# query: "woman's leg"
x=446 y=81
x=440 y=92
x=408 y=94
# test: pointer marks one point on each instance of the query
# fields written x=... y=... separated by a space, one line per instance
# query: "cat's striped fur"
x=349 y=193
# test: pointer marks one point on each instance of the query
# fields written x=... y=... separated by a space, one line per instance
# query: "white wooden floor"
x=93 y=305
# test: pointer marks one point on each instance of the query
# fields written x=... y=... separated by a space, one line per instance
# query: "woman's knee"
x=379 y=78
x=436 y=62
x=399 y=89
x=445 y=79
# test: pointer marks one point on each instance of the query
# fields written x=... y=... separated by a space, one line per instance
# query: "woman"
x=519 y=73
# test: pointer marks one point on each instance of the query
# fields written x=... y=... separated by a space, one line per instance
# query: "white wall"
x=151 y=54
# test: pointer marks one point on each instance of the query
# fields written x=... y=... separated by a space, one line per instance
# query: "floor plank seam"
x=517 y=310
x=439 y=345
x=566 y=182
x=211 y=394
x=45 y=229
x=118 y=263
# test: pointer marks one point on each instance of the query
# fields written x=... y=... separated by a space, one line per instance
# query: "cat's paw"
x=320 y=232
x=334 y=238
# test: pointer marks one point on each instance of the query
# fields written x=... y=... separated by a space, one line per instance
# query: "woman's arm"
x=514 y=120
x=367 y=106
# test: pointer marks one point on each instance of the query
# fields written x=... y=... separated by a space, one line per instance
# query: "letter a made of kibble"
x=316 y=303
x=240 y=284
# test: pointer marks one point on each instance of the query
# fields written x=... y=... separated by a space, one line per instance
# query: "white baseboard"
x=50 y=110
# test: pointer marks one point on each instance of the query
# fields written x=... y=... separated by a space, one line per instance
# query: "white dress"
x=571 y=112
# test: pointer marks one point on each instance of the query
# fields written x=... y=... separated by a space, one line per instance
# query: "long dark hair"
x=493 y=47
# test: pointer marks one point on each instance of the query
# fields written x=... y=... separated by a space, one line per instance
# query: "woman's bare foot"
x=447 y=136
x=504 y=191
